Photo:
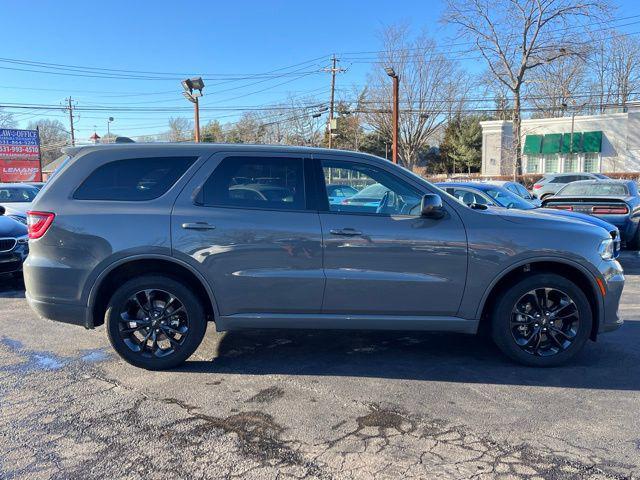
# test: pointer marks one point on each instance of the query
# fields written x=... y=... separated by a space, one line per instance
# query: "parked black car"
x=14 y=244
x=615 y=201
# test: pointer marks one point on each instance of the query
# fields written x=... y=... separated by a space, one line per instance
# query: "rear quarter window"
x=133 y=179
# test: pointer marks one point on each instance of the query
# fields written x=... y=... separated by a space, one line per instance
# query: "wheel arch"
x=107 y=282
x=565 y=268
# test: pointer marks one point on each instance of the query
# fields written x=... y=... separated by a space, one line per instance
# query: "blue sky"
x=216 y=38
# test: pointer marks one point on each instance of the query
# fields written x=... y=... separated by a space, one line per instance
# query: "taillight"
x=38 y=223
x=562 y=207
x=610 y=210
x=536 y=186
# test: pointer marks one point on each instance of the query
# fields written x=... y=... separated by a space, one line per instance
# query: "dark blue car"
x=615 y=201
x=477 y=193
x=14 y=244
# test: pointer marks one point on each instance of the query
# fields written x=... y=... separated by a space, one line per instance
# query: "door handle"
x=346 y=232
x=198 y=226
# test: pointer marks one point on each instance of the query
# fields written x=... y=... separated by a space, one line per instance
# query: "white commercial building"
x=600 y=143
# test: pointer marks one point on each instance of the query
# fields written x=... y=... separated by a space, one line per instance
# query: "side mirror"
x=431 y=206
x=2 y=210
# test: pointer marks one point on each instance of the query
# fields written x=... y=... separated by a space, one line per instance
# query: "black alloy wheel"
x=542 y=320
x=155 y=322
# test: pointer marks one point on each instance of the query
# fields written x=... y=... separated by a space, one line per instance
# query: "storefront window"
x=570 y=163
x=533 y=163
x=551 y=163
x=591 y=162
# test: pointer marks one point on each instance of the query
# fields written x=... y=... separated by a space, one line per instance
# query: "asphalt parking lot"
x=315 y=405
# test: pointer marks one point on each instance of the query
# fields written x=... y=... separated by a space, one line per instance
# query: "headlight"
x=606 y=249
x=23 y=239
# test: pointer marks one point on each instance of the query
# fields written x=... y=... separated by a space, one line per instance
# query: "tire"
x=150 y=304
x=634 y=243
x=507 y=331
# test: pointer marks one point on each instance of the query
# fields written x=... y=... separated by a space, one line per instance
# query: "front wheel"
x=155 y=322
x=542 y=321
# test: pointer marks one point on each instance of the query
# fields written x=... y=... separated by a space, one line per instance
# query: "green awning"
x=532 y=144
x=592 y=142
x=551 y=143
x=577 y=142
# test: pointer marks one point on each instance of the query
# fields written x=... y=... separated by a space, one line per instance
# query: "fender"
x=589 y=274
x=100 y=278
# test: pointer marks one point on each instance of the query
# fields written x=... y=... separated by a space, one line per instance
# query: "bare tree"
x=431 y=91
x=615 y=66
x=556 y=86
x=7 y=120
x=53 y=136
x=180 y=130
x=517 y=36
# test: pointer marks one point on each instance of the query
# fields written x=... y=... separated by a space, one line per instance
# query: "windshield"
x=505 y=198
x=17 y=194
x=377 y=190
x=593 y=189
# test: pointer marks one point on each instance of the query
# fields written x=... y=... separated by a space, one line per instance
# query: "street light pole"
x=196 y=105
x=109 y=120
x=189 y=85
x=396 y=112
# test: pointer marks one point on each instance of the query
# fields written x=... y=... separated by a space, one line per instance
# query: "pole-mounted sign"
x=19 y=155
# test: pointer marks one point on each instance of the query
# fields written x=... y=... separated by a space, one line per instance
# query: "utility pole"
x=334 y=69
x=73 y=134
x=396 y=112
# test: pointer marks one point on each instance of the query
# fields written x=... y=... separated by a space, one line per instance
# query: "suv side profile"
x=156 y=240
x=551 y=183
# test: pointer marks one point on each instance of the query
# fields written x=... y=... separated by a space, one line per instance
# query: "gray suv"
x=157 y=240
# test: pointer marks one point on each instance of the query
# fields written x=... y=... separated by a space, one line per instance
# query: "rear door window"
x=256 y=182
x=133 y=179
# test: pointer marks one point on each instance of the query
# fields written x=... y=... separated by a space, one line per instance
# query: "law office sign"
x=20 y=155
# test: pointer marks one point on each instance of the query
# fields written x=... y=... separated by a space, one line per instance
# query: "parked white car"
x=16 y=199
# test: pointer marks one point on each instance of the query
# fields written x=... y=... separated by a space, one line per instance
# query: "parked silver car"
x=551 y=183
x=154 y=241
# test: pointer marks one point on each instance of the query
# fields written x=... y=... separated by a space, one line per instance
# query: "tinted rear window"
x=133 y=179
x=594 y=189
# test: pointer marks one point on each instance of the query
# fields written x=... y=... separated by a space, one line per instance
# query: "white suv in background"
x=551 y=183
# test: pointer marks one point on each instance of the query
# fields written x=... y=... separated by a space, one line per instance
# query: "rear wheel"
x=542 y=321
x=155 y=322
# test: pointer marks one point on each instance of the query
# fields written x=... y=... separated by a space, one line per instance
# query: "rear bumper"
x=60 y=312
x=614 y=284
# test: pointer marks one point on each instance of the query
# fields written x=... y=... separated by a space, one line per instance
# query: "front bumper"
x=60 y=312
x=614 y=284
x=11 y=261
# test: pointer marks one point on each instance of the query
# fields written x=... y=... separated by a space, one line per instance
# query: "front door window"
x=368 y=190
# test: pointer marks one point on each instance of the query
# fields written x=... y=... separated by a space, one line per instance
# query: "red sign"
x=19 y=155
x=19 y=171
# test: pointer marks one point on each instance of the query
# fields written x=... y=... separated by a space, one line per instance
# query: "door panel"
x=397 y=265
x=389 y=262
x=257 y=260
